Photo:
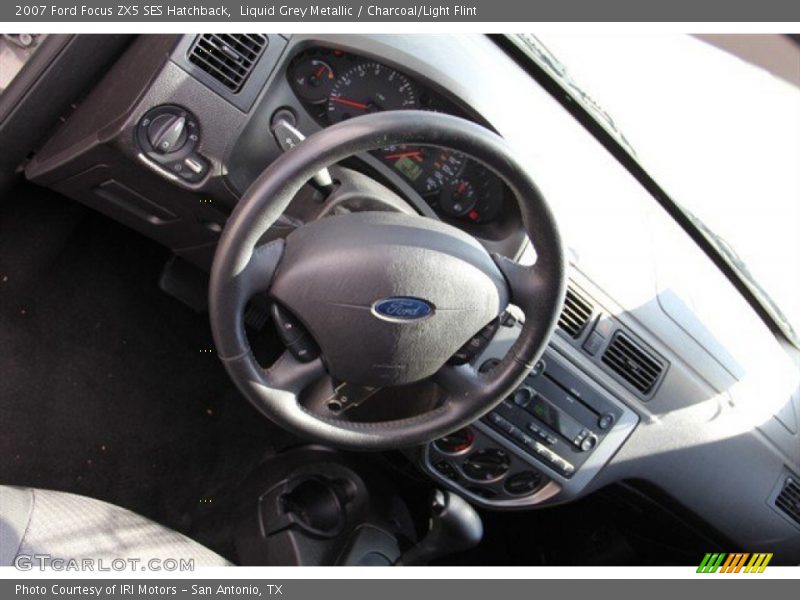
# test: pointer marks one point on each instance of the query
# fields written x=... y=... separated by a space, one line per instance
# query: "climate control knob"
x=486 y=465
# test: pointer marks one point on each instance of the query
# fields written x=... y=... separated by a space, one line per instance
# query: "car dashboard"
x=643 y=380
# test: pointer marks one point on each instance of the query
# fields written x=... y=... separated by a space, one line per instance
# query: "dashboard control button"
x=589 y=442
x=504 y=425
x=487 y=333
x=538 y=368
x=195 y=168
x=606 y=421
x=523 y=396
x=486 y=465
x=289 y=328
x=194 y=165
x=498 y=420
x=294 y=335
x=475 y=343
x=523 y=483
x=459 y=358
x=604 y=326
x=304 y=349
x=455 y=443
x=167 y=133
x=508 y=320
x=446 y=469
x=593 y=343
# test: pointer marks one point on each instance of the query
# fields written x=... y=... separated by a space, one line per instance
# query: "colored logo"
x=738 y=562
x=402 y=308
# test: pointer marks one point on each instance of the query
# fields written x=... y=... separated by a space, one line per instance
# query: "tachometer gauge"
x=427 y=168
x=313 y=80
x=369 y=87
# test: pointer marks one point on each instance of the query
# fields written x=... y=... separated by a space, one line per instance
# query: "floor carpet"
x=109 y=387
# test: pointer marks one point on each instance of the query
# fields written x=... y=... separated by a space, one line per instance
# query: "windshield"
x=720 y=135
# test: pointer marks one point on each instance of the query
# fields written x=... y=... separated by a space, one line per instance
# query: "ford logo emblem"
x=402 y=308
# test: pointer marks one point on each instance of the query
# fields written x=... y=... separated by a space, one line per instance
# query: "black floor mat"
x=109 y=387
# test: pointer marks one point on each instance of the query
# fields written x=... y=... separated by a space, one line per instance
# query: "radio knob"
x=523 y=396
x=589 y=442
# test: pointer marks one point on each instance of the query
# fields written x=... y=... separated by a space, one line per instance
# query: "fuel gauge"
x=313 y=79
x=458 y=199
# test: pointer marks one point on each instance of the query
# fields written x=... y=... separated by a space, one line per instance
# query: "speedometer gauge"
x=370 y=87
x=427 y=168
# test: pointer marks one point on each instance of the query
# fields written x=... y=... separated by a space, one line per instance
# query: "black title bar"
x=26 y=11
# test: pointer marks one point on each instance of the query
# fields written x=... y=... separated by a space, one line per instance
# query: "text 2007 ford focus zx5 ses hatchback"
x=413 y=299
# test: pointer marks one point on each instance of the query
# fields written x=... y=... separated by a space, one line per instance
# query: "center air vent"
x=228 y=58
x=632 y=363
x=576 y=313
x=788 y=500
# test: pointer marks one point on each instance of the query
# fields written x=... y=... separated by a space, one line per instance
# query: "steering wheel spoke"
x=526 y=283
x=347 y=396
x=459 y=381
x=256 y=276
x=292 y=376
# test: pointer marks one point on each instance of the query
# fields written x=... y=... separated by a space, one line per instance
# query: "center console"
x=545 y=441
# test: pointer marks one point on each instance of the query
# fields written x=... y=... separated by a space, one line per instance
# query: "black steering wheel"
x=389 y=298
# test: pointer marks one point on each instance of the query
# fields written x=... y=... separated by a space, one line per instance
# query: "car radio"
x=554 y=417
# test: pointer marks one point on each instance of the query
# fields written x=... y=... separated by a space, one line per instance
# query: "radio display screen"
x=554 y=418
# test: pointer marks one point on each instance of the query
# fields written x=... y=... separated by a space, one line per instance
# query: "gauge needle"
x=416 y=155
x=321 y=70
x=352 y=103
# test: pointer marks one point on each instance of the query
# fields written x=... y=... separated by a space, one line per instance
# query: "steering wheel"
x=389 y=298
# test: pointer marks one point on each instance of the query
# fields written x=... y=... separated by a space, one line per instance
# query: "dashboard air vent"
x=576 y=313
x=228 y=58
x=789 y=500
x=628 y=360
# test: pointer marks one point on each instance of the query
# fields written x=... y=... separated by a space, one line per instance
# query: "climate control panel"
x=478 y=467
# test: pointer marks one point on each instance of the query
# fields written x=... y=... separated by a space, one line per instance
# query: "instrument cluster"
x=334 y=86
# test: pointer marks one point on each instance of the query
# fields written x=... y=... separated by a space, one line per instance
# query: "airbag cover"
x=388 y=297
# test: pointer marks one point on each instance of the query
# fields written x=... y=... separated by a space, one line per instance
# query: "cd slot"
x=560 y=397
